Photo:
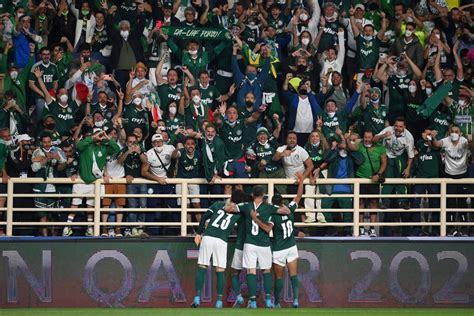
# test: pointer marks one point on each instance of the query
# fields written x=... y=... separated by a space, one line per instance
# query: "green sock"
x=267 y=284
x=199 y=282
x=252 y=286
x=295 y=285
x=236 y=284
x=220 y=284
x=278 y=288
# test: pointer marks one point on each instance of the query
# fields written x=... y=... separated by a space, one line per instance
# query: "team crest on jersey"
x=69 y=110
x=99 y=154
x=211 y=94
x=267 y=145
x=239 y=132
x=74 y=163
x=167 y=157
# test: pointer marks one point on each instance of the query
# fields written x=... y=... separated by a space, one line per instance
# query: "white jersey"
x=396 y=146
x=456 y=156
x=156 y=166
x=295 y=162
x=113 y=167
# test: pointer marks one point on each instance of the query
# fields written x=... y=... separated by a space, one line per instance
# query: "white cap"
x=23 y=137
x=156 y=137
x=359 y=6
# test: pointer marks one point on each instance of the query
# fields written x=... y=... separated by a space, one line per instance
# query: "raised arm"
x=266 y=227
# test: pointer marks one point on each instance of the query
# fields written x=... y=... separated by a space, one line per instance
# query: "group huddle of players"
x=255 y=220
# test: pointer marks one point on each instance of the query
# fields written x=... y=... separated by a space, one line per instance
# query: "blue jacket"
x=244 y=84
x=293 y=99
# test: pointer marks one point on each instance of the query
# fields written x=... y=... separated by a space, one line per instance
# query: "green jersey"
x=108 y=112
x=253 y=234
x=329 y=37
x=279 y=23
x=90 y=152
x=464 y=117
x=375 y=152
x=209 y=95
x=240 y=240
x=64 y=116
x=132 y=164
x=331 y=123
x=367 y=52
x=195 y=115
x=429 y=161
x=50 y=75
x=136 y=118
x=265 y=152
x=168 y=92
x=233 y=140
x=220 y=223
x=374 y=118
x=440 y=121
x=397 y=86
x=172 y=125
x=189 y=167
x=283 y=229
x=63 y=69
x=316 y=153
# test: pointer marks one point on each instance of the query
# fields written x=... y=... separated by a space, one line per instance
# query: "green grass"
x=231 y=312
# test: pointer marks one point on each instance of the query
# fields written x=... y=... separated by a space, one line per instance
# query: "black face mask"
x=50 y=126
x=301 y=68
x=249 y=104
x=302 y=91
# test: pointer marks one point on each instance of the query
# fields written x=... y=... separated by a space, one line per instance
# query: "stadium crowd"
x=213 y=89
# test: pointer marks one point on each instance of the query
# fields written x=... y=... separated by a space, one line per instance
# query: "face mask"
x=305 y=41
x=249 y=104
x=374 y=100
x=124 y=34
x=304 y=17
x=368 y=38
x=162 y=128
x=14 y=75
x=63 y=98
x=251 y=76
x=412 y=89
x=462 y=103
x=173 y=110
x=50 y=126
x=196 y=99
x=343 y=153
x=331 y=114
x=193 y=52
x=210 y=139
x=231 y=124
x=301 y=68
x=137 y=101
x=367 y=145
x=302 y=91
x=316 y=144
x=99 y=124
x=85 y=12
x=429 y=91
x=19 y=15
x=158 y=148
x=408 y=33
x=454 y=137
x=264 y=143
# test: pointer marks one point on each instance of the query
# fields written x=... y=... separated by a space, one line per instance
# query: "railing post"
x=10 y=208
x=97 y=185
x=442 y=209
x=271 y=190
x=184 y=208
x=356 y=201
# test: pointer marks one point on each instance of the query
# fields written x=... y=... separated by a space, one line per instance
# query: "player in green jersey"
x=212 y=242
x=285 y=252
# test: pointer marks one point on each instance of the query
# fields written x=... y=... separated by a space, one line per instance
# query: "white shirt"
x=456 y=156
x=295 y=162
x=146 y=89
x=113 y=167
x=396 y=146
x=304 y=117
x=156 y=167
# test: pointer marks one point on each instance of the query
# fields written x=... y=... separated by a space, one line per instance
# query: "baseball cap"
x=157 y=137
x=263 y=130
x=23 y=137
x=359 y=6
x=168 y=5
x=375 y=89
x=141 y=65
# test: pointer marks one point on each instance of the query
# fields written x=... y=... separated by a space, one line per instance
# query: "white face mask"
x=173 y=110
x=158 y=148
x=375 y=100
x=162 y=128
x=124 y=34
x=14 y=75
x=454 y=137
x=331 y=114
x=368 y=37
x=196 y=99
x=193 y=52
x=367 y=145
x=462 y=103
x=210 y=139
x=304 y=17
x=99 y=123
x=305 y=41
x=429 y=91
x=63 y=98
x=343 y=153
x=412 y=89
x=408 y=33
x=264 y=143
x=316 y=144
x=137 y=101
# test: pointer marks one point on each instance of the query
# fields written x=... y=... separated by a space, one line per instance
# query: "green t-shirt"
x=132 y=164
x=367 y=53
x=316 y=154
x=397 y=86
x=136 y=118
x=172 y=125
x=221 y=223
x=64 y=117
x=195 y=116
x=241 y=232
x=167 y=93
x=189 y=168
x=374 y=118
x=50 y=75
x=266 y=152
x=329 y=37
x=428 y=162
x=254 y=235
x=209 y=95
x=283 y=229
x=376 y=152
x=440 y=121
x=233 y=140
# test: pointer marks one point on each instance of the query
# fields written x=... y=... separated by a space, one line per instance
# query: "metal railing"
x=270 y=183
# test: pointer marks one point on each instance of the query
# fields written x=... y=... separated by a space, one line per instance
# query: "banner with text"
x=208 y=34
x=160 y=273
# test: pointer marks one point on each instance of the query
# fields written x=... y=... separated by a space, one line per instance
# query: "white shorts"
x=256 y=254
x=282 y=257
x=237 y=259
x=215 y=248
x=81 y=188
x=192 y=189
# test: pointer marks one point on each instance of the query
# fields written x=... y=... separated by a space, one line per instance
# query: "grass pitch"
x=232 y=312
